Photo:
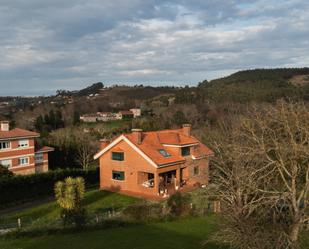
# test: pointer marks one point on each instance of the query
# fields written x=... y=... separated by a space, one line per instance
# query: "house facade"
x=137 y=112
x=109 y=116
x=153 y=163
x=18 y=151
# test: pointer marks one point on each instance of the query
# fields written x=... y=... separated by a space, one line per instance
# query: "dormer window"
x=164 y=153
x=118 y=156
x=185 y=151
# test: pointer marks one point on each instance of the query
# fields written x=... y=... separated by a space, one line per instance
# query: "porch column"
x=177 y=178
x=156 y=182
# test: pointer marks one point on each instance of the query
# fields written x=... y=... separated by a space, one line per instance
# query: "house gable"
x=122 y=138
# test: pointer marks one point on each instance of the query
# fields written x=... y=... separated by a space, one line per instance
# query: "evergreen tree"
x=39 y=123
x=179 y=118
x=76 y=119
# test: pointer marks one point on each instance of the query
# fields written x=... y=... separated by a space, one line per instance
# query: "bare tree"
x=83 y=144
x=262 y=175
x=85 y=151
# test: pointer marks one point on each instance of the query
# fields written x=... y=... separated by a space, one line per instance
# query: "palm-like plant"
x=69 y=194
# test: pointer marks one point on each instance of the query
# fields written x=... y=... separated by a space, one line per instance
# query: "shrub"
x=179 y=204
x=5 y=172
x=143 y=212
x=18 y=189
x=202 y=201
x=69 y=194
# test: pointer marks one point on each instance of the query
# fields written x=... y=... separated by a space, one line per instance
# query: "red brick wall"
x=133 y=162
x=15 y=153
x=203 y=168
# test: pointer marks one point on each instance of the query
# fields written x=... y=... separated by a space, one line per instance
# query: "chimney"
x=103 y=143
x=4 y=125
x=186 y=129
x=137 y=135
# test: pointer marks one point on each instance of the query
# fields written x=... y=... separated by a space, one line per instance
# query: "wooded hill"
x=259 y=85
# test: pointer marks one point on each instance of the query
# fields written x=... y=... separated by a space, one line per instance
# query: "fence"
x=28 y=223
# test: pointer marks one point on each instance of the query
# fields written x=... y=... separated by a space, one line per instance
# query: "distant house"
x=4 y=104
x=126 y=114
x=19 y=153
x=89 y=118
x=153 y=164
x=106 y=116
x=136 y=112
x=109 y=116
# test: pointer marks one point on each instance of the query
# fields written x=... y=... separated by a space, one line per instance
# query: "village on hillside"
x=110 y=116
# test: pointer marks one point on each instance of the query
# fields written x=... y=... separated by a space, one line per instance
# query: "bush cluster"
x=178 y=205
x=19 y=188
x=144 y=212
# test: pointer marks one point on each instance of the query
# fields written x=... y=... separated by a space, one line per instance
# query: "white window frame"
x=6 y=163
x=8 y=143
x=23 y=161
x=24 y=143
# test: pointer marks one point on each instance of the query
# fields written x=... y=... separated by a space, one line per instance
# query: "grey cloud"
x=52 y=44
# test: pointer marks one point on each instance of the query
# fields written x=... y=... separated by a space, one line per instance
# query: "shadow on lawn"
x=96 y=196
x=104 y=201
x=165 y=235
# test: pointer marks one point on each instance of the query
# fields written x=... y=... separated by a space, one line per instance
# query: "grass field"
x=95 y=201
x=114 y=124
x=188 y=233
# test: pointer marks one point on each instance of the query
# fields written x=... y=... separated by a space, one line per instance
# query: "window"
x=164 y=153
x=6 y=163
x=118 y=175
x=23 y=161
x=5 y=145
x=185 y=151
x=196 y=170
x=23 y=143
x=118 y=156
x=39 y=158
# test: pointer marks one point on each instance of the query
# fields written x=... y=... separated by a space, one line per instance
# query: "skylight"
x=164 y=153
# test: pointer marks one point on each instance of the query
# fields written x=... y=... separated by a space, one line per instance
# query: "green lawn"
x=95 y=201
x=114 y=124
x=190 y=233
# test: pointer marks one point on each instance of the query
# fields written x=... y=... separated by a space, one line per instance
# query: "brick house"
x=19 y=153
x=153 y=163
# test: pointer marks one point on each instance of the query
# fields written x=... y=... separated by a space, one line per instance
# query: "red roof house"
x=153 y=163
x=19 y=153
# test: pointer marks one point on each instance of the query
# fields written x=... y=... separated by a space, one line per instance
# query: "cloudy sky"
x=66 y=44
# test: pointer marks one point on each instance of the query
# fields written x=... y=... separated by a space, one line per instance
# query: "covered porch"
x=165 y=181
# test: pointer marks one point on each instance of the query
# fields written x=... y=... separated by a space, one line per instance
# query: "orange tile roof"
x=152 y=142
x=45 y=149
x=175 y=137
x=17 y=133
x=126 y=112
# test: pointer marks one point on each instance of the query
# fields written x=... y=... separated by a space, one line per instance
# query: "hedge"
x=22 y=188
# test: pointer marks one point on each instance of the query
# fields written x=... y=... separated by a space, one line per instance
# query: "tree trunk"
x=294 y=234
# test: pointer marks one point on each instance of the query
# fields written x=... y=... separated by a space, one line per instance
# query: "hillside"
x=260 y=85
x=91 y=99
